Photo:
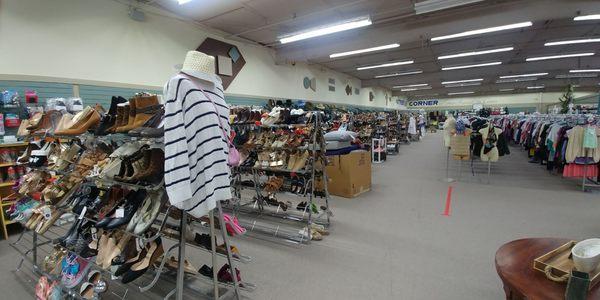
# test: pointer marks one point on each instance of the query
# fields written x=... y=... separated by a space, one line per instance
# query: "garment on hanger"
x=412 y=125
x=489 y=135
x=196 y=151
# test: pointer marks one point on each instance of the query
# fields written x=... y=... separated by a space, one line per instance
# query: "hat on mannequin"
x=200 y=65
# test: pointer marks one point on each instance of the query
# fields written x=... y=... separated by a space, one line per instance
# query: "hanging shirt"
x=196 y=151
x=590 y=140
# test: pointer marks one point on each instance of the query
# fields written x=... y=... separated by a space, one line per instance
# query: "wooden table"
x=514 y=264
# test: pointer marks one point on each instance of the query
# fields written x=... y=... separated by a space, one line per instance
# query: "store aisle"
x=394 y=243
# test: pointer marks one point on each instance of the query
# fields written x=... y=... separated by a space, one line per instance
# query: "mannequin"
x=492 y=155
x=449 y=129
x=196 y=148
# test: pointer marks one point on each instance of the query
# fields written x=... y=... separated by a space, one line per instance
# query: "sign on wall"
x=420 y=103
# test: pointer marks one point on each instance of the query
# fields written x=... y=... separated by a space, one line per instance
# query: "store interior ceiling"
x=412 y=24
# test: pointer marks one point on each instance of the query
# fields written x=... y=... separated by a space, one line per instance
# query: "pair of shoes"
x=140 y=109
x=93 y=286
x=224 y=274
x=112 y=245
x=143 y=166
x=153 y=128
x=74 y=269
x=173 y=264
x=297 y=161
x=274 y=184
x=147 y=213
x=109 y=119
x=137 y=266
x=86 y=119
x=232 y=225
x=122 y=216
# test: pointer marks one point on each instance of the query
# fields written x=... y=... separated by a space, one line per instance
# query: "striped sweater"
x=196 y=170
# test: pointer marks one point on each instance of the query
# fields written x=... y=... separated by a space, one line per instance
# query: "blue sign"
x=423 y=103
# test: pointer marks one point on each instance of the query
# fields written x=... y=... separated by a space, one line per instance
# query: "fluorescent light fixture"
x=460 y=93
x=183 y=1
x=410 y=85
x=511 y=80
x=585 y=71
x=397 y=63
x=476 y=52
x=559 y=56
x=570 y=42
x=586 y=18
x=400 y=74
x=461 y=81
x=535 y=87
x=505 y=90
x=353 y=24
x=415 y=89
x=471 y=66
x=428 y=6
x=462 y=84
x=482 y=31
x=523 y=75
x=576 y=75
x=426 y=95
x=378 y=48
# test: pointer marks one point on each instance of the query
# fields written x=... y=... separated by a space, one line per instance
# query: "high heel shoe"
x=155 y=250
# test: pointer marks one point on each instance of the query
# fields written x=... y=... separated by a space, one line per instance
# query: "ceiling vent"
x=429 y=6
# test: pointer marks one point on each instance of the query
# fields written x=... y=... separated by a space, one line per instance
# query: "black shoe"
x=132 y=203
x=154 y=252
x=204 y=240
x=108 y=120
x=206 y=271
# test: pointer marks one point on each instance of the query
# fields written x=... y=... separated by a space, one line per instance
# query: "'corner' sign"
x=423 y=103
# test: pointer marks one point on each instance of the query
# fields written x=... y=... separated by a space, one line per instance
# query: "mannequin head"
x=197 y=63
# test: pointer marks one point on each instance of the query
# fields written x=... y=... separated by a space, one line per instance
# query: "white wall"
x=94 y=41
x=538 y=100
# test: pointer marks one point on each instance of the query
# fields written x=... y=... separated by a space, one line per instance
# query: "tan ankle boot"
x=144 y=107
x=118 y=120
x=129 y=117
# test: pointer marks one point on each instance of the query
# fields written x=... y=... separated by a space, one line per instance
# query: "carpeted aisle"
x=394 y=242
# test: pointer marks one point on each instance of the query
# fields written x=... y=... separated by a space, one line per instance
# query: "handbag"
x=233 y=159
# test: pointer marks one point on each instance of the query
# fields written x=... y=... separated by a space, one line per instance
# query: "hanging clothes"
x=412 y=125
x=196 y=151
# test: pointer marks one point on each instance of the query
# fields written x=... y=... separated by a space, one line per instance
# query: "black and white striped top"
x=196 y=170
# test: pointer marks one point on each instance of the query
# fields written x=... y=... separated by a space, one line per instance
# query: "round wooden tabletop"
x=514 y=264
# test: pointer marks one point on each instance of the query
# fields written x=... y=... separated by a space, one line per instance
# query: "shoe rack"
x=8 y=163
x=268 y=217
x=34 y=246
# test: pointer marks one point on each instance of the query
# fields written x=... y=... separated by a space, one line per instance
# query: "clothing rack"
x=36 y=245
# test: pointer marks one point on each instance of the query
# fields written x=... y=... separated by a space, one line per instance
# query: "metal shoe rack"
x=33 y=247
x=275 y=223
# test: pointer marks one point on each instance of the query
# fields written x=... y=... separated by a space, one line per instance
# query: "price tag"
x=120 y=213
x=83 y=211
x=47 y=212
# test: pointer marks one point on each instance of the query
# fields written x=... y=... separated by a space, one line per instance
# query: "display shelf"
x=9 y=183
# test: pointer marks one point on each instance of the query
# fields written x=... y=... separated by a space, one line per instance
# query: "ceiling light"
x=569 y=42
x=461 y=81
x=510 y=80
x=586 y=18
x=415 y=89
x=476 y=52
x=397 y=63
x=410 y=85
x=471 y=66
x=576 y=75
x=524 y=75
x=425 y=95
x=428 y=6
x=460 y=93
x=559 y=56
x=585 y=71
x=535 y=87
x=356 y=23
x=378 y=48
x=505 y=90
x=463 y=84
x=482 y=31
x=183 y=1
x=400 y=74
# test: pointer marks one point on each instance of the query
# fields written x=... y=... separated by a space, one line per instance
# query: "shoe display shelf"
x=393 y=133
x=34 y=246
x=260 y=210
x=7 y=198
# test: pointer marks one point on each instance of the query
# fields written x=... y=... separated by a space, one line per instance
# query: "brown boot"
x=145 y=106
x=119 y=119
x=129 y=117
x=154 y=171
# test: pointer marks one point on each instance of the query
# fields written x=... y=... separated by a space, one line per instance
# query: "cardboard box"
x=349 y=175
